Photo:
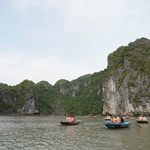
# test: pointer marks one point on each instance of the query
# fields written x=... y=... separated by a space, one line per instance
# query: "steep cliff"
x=123 y=87
x=127 y=84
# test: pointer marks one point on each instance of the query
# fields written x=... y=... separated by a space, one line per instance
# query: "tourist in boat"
x=140 y=117
x=144 y=118
x=67 y=119
x=121 y=118
x=108 y=117
x=70 y=118
x=116 y=120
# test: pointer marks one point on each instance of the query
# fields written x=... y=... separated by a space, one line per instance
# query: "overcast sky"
x=65 y=39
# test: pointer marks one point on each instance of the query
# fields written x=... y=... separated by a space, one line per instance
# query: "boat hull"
x=107 y=119
x=112 y=125
x=70 y=123
x=142 y=121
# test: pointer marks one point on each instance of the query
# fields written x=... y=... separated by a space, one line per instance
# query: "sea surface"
x=46 y=133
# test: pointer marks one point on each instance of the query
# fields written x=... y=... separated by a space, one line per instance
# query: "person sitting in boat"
x=70 y=118
x=116 y=120
x=108 y=117
x=144 y=118
x=67 y=119
x=121 y=118
x=140 y=117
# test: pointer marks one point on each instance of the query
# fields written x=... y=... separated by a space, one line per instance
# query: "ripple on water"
x=36 y=133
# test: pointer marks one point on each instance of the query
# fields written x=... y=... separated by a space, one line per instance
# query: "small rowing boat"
x=112 y=125
x=107 y=119
x=142 y=121
x=76 y=122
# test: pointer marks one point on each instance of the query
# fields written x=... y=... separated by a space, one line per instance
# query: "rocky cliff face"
x=28 y=108
x=126 y=100
x=127 y=88
x=123 y=87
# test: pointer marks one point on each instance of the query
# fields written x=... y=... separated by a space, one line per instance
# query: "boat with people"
x=75 y=122
x=142 y=119
x=70 y=120
x=117 y=122
x=107 y=118
x=113 y=125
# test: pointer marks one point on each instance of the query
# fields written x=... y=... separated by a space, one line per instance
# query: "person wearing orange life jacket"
x=144 y=118
x=70 y=118
x=67 y=119
x=140 y=117
x=108 y=117
x=116 y=120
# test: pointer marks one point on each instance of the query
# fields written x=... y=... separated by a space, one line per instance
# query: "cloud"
x=19 y=66
x=54 y=39
x=80 y=16
x=52 y=69
x=24 y=5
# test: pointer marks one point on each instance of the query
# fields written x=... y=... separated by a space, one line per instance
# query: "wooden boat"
x=142 y=121
x=112 y=125
x=107 y=119
x=76 y=122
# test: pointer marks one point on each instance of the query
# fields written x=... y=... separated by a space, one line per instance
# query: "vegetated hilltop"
x=124 y=86
x=81 y=97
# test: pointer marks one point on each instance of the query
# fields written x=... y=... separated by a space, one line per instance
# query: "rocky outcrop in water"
x=127 y=88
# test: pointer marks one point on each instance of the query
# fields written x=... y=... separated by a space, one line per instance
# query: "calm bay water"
x=46 y=133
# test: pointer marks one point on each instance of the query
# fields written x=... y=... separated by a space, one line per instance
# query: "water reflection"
x=70 y=131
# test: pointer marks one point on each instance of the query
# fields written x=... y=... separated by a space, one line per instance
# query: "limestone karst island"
x=123 y=87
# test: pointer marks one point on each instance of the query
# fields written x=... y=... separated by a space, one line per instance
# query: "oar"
x=139 y=126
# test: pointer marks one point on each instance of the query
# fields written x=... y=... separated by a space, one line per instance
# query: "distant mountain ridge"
x=123 y=87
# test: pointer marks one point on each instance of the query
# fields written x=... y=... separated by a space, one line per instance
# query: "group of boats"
x=109 y=123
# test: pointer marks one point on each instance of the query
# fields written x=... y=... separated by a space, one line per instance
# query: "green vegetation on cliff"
x=82 y=96
x=137 y=54
x=45 y=96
